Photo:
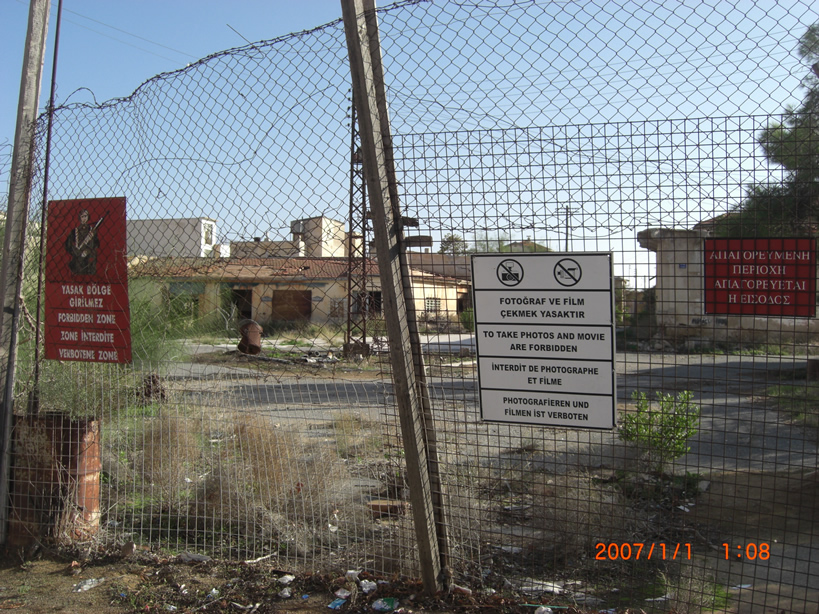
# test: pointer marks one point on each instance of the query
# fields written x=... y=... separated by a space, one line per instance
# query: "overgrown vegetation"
x=664 y=430
x=801 y=402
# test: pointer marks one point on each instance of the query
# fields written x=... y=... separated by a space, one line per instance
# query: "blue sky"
x=112 y=46
x=645 y=70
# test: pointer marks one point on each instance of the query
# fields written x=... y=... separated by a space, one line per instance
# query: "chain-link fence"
x=643 y=130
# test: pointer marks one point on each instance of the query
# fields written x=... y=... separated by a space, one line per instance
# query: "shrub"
x=467 y=317
x=665 y=430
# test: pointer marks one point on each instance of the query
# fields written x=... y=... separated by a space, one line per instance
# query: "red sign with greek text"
x=87 y=317
x=761 y=277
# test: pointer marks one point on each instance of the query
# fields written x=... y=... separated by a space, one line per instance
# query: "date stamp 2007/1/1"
x=638 y=550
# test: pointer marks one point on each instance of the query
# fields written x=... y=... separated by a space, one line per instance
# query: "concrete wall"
x=323 y=237
x=186 y=237
x=266 y=249
x=680 y=301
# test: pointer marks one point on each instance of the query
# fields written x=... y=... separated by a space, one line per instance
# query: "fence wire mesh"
x=636 y=129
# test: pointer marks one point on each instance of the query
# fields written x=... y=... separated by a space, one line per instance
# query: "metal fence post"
x=369 y=96
x=11 y=275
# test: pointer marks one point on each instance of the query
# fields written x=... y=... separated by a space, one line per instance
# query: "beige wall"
x=323 y=237
x=266 y=249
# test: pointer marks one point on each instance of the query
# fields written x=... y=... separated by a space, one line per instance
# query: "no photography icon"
x=510 y=272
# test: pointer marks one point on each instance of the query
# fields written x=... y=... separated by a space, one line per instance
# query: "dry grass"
x=578 y=512
x=693 y=589
x=355 y=435
x=171 y=452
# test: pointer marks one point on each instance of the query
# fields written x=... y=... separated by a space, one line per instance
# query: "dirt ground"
x=148 y=583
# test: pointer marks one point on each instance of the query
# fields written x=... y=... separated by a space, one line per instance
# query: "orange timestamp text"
x=639 y=550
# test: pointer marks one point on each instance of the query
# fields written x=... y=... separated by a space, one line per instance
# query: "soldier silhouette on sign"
x=82 y=246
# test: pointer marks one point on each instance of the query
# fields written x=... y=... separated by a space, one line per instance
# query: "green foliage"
x=484 y=242
x=787 y=207
x=664 y=430
x=453 y=244
x=467 y=318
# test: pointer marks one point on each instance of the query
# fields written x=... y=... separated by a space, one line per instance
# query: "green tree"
x=453 y=244
x=484 y=242
x=791 y=206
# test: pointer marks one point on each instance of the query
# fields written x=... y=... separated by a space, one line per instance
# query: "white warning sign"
x=545 y=338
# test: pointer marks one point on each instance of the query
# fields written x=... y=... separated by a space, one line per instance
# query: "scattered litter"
x=342 y=593
x=739 y=587
x=170 y=608
x=213 y=594
x=305 y=597
x=516 y=508
x=665 y=597
x=352 y=575
x=609 y=611
x=336 y=604
x=285 y=593
x=538 y=586
x=683 y=508
x=87 y=585
x=460 y=589
x=250 y=608
x=544 y=610
x=511 y=549
x=368 y=586
x=286 y=579
x=583 y=598
x=385 y=604
x=191 y=557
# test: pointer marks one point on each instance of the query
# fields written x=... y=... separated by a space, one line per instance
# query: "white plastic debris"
x=342 y=593
x=285 y=593
x=544 y=610
x=539 y=586
x=352 y=575
x=191 y=557
x=367 y=586
x=87 y=585
x=286 y=579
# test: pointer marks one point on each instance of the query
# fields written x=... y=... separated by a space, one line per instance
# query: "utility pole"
x=412 y=397
x=567 y=228
x=11 y=270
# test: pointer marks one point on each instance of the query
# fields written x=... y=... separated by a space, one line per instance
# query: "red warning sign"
x=763 y=277
x=87 y=317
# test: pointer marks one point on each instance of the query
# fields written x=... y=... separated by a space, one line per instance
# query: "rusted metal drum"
x=81 y=446
x=251 y=341
x=55 y=489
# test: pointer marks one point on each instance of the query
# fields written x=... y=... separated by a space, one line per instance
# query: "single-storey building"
x=268 y=290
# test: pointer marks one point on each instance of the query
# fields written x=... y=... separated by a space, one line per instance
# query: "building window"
x=432 y=305
x=208 y=232
x=337 y=307
x=369 y=303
